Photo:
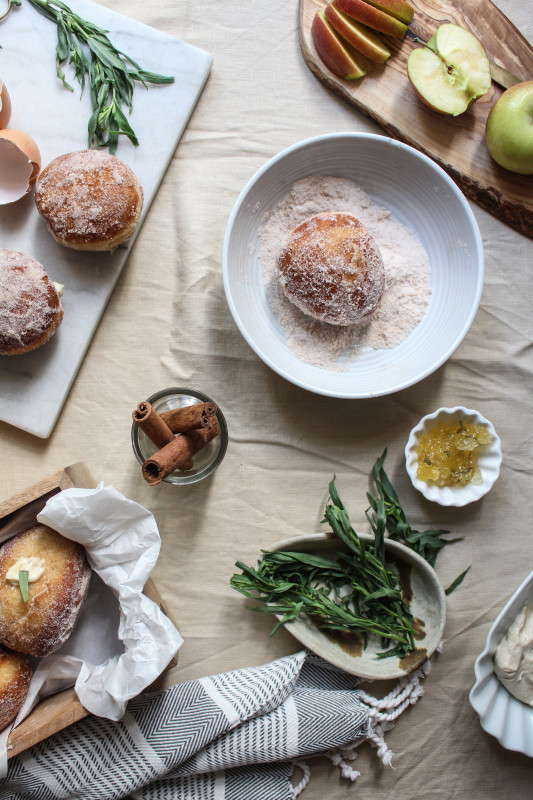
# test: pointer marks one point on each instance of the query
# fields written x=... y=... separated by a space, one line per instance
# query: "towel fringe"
x=304 y=767
x=337 y=758
x=382 y=715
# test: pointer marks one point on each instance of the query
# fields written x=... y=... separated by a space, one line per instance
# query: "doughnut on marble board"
x=34 y=386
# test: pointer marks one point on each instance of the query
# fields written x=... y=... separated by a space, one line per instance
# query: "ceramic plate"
x=428 y=605
x=34 y=386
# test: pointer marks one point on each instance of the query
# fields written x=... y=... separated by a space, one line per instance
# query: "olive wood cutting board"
x=60 y=710
x=456 y=143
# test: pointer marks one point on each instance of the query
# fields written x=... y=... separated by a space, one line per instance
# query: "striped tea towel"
x=227 y=737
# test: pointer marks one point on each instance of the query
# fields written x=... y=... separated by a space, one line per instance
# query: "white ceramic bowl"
x=501 y=714
x=428 y=604
x=421 y=196
x=489 y=459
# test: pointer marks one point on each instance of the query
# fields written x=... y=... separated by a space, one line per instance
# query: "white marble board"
x=34 y=386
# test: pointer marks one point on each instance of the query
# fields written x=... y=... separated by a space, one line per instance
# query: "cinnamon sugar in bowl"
x=433 y=264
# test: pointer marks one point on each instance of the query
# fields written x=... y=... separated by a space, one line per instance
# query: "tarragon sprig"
x=356 y=591
x=389 y=515
x=331 y=593
x=111 y=73
x=23 y=584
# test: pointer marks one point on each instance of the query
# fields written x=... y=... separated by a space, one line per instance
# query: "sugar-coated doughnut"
x=15 y=677
x=58 y=581
x=331 y=268
x=30 y=308
x=90 y=200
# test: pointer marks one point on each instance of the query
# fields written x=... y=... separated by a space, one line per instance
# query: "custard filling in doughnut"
x=33 y=565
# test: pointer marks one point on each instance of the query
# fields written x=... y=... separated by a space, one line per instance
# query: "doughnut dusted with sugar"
x=30 y=308
x=58 y=580
x=15 y=678
x=90 y=200
x=331 y=269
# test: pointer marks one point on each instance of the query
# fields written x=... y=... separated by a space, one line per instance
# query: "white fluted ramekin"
x=489 y=459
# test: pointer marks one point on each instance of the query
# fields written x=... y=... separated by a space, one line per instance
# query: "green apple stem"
x=450 y=69
x=424 y=44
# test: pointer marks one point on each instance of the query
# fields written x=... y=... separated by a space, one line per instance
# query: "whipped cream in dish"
x=513 y=660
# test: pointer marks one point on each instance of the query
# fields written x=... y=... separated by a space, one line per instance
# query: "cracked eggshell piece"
x=20 y=163
x=5 y=106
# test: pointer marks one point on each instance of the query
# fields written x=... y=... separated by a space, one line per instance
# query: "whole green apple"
x=509 y=130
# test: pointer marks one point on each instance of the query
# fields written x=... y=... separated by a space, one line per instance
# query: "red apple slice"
x=399 y=9
x=372 y=17
x=364 y=40
x=332 y=51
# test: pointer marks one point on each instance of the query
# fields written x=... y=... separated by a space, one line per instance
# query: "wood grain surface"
x=62 y=709
x=456 y=143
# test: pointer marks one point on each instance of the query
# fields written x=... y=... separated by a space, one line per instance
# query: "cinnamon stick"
x=177 y=454
x=150 y=422
x=189 y=418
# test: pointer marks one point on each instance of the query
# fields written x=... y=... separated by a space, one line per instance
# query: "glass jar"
x=206 y=460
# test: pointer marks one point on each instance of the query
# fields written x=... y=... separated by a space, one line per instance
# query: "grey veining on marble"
x=34 y=386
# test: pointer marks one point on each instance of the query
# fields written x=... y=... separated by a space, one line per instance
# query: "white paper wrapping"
x=122 y=641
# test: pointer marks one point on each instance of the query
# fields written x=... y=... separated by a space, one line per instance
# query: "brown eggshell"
x=28 y=147
x=5 y=106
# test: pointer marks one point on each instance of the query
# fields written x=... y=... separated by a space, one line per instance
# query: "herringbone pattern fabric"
x=228 y=737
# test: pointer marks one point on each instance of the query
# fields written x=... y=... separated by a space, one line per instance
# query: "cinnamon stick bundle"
x=177 y=454
x=150 y=422
x=188 y=418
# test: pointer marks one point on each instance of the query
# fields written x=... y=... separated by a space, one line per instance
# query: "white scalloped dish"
x=489 y=459
x=501 y=715
x=427 y=604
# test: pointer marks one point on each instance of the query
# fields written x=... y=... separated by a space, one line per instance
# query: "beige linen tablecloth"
x=168 y=324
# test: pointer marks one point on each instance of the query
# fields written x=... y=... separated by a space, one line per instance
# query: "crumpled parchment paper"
x=122 y=640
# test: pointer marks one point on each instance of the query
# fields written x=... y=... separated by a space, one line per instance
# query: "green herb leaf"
x=428 y=543
x=456 y=582
x=356 y=592
x=111 y=73
x=23 y=584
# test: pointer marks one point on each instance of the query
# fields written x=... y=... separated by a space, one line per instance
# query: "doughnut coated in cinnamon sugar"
x=90 y=200
x=331 y=269
x=40 y=625
x=30 y=308
x=15 y=678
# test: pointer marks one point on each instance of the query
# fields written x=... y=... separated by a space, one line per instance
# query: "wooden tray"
x=60 y=710
x=456 y=143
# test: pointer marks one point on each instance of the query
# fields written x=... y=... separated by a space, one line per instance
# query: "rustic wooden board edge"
x=492 y=199
x=60 y=710
x=73 y=475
